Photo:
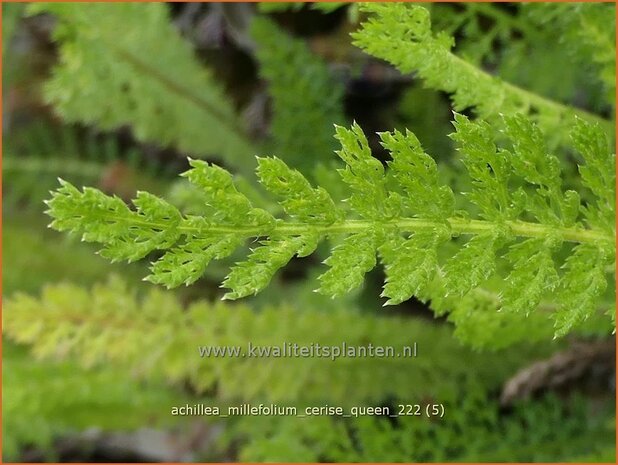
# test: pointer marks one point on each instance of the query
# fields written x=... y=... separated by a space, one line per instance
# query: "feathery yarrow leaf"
x=304 y=94
x=519 y=227
x=401 y=33
x=117 y=327
x=125 y=64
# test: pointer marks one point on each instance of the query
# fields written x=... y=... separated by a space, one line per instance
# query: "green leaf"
x=252 y=276
x=118 y=326
x=598 y=173
x=363 y=173
x=306 y=98
x=108 y=220
x=473 y=264
x=417 y=174
x=298 y=198
x=410 y=265
x=518 y=230
x=532 y=162
x=584 y=282
x=147 y=77
x=348 y=262
x=401 y=33
x=187 y=262
x=532 y=277
x=487 y=166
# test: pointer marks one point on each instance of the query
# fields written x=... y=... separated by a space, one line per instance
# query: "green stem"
x=537 y=100
x=531 y=97
x=459 y=226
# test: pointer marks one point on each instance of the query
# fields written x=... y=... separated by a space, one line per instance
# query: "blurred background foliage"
x=117 y=96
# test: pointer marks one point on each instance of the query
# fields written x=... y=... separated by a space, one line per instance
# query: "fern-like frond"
x=532 y=51
x=155 y=338
x=518 y=216
x=127 y=65
x=402 y=34
x=306 y=99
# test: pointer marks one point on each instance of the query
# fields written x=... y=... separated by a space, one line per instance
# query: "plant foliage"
x=520 y=223
x=118 y=328
x=402 y=34
x=504 y=228
x=298 y=83
x=145 y=76
x=42 y=400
